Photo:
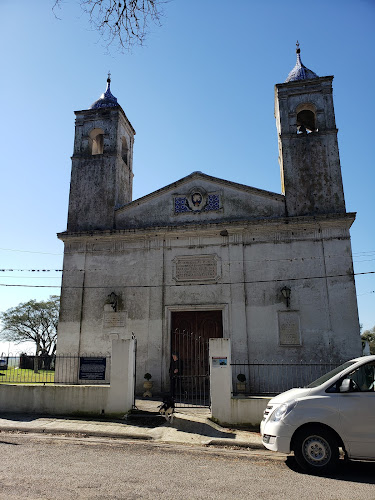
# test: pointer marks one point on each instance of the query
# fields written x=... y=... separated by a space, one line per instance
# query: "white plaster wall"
x=73 y=399
x=254 y=262
x=247 y=410
x=67 y=399
x=220 y=379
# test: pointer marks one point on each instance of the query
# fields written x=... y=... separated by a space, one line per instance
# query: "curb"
x=234 y=442
x=81 y=432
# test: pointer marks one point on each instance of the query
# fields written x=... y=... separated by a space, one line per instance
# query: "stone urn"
x=147 y=385
x=241 y=384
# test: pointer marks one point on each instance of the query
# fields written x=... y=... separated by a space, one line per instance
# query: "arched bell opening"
x=306 y=119
x=96 y=141
x=124 y=150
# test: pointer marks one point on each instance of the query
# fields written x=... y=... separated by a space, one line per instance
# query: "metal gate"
x=189 y=372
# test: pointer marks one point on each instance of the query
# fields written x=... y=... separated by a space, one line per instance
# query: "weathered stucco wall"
x=236 y=202
x=254 y=261
x=310 y=162
x=204 y=243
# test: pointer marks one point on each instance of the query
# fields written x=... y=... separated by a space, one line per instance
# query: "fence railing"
x=61 y=369
x=271 y=378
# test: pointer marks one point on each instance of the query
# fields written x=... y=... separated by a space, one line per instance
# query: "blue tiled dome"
x=106 y=100
x=300 y=72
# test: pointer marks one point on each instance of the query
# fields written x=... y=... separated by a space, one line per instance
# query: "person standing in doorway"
x=175 y=372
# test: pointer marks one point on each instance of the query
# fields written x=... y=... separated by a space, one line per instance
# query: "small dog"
x=167 y=408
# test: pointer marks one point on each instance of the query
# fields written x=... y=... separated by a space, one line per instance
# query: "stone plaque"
x=196 y=268
x=91 y=368
x=289 y=329
x=113 y=319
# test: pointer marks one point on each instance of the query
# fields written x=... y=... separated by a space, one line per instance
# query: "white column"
x=221 y=379
x=121 y=393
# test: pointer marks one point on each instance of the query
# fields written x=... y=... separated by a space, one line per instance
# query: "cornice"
x=344 y=220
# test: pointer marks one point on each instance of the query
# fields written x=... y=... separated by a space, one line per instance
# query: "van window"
x=330 y=374
x=364 y=377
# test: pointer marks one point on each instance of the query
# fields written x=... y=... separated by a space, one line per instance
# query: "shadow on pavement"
x=356 y=472
x=21 y=417
x=201 y=428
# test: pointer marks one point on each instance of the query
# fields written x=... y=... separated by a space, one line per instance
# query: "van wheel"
x=316 y=449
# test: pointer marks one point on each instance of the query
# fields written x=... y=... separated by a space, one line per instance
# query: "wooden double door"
x=191 y=331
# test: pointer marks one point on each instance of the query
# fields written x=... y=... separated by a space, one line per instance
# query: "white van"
x=336 y=411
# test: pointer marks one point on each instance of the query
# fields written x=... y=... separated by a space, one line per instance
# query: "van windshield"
x=327 y=376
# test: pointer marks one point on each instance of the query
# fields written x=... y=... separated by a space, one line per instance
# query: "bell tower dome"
x=102 y=164
x=308 y=150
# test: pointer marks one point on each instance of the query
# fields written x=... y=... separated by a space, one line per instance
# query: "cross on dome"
x=107 y=99
x=300 y=72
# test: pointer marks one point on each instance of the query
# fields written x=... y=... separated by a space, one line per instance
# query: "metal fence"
x=273 y=377
x=62 y=369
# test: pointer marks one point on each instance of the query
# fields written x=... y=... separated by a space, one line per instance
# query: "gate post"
x=221 y=379
x=121 y=392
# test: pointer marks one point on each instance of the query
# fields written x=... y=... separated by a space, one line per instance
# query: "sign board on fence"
x=92 y=368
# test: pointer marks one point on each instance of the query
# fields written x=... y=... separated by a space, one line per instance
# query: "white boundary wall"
x=225 y=408
x=74 y=399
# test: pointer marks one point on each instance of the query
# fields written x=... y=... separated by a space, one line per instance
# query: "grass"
x=25 y=376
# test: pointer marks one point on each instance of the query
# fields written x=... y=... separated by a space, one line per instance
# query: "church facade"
x=272 y=272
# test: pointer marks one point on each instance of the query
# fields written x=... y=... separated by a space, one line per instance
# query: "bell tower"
x=308 y=150
x=102 y=165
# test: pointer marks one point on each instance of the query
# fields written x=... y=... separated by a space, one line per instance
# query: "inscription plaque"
x=113 y=319
x=92 y=368
x=289 y=329
x=196 y=268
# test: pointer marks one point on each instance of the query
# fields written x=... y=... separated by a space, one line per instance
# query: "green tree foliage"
x=369 y=335
x=122 y=22
x=33 y=321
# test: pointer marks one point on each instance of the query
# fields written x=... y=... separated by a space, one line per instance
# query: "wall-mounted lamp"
x=286 y=291
x=113 y=300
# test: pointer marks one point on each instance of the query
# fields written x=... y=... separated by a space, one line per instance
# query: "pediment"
x=200 y=198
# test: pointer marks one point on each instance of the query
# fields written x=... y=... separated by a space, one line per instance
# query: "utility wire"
x=30 y=251
x=294 y=259
x=365 y=253
x=197 y=284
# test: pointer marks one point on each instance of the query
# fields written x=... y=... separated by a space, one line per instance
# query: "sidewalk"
x=189 y=426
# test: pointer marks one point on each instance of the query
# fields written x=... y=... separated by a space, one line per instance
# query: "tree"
x=33 y=321
x=369 y=335
x=124 y=22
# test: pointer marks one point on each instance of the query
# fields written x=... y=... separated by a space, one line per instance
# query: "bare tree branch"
x=122 y=22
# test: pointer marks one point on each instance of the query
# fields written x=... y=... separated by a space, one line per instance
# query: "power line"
x=294 y=259
x=29 y=251
x=32 y=277
x=364 y=253
x=197 y=284
x=35 y=270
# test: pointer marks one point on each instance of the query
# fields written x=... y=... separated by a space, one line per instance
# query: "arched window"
x=306 y=119
x=124 y=149
x=96 y=141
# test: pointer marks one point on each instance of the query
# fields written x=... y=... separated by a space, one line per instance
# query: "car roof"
x=363 y=358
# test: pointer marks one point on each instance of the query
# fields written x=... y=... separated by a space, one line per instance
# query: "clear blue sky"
x=200 y=95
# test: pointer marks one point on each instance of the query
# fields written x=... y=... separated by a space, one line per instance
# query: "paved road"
x=54 y=467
